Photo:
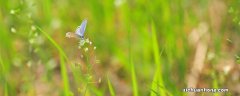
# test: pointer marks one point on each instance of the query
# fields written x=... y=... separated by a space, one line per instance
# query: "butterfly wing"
x=81 y=29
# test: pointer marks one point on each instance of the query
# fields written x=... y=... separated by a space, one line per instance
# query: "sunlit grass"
x=143 y=44
x=157 y=83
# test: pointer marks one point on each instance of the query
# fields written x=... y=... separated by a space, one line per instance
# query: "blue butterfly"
x=79 y=33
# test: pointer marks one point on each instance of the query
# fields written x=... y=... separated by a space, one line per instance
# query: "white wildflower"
x=87 y=40
x=31 y=40
x=12 y=12
x=86 y=49
x=33 y=28
x=81 y=43
x=210 y=56
x=36 y=34
x=13 y=30
x=118 y=3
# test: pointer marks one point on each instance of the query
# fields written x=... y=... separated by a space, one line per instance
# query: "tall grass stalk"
x=2 y=75
x=157 y=83
x=133 y=74
x=110 y=87
x=215 y=83
x=63 y=57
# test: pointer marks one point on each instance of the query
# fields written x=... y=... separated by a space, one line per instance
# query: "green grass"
x=110 y=87
x=63 y=59
x=2 y=75
x=133 y=74
x=157 y=83
x=144 y=44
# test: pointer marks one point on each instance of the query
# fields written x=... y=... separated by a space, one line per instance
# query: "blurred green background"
x=143 y=47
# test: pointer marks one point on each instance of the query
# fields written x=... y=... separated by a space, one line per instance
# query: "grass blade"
x=110 y=87
x=63 y=57
x=158 y=74
x=133 y=74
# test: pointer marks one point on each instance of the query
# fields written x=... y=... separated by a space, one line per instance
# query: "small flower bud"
x=12 y=12
x=13 y=30
x=33 y=28
x=86 y=49
x=87 y=40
